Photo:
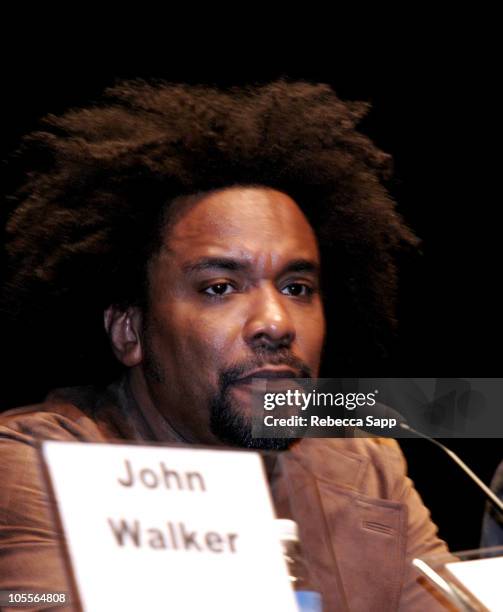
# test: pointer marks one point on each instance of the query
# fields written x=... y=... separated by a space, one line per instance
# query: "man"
x=225 y=235
x=492 y=524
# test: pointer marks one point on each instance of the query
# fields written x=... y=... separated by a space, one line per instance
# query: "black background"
x=432 y=113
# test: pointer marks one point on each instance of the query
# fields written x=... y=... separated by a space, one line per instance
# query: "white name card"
x=483 y=578
x=158 y=528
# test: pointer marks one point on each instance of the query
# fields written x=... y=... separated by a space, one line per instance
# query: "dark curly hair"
x=98 y=180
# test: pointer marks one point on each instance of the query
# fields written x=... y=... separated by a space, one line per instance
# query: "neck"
x=161 y=428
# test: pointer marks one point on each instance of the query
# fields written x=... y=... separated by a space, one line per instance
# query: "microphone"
x=381 y=411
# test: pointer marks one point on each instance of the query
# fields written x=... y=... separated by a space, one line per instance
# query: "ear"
x=124 y=330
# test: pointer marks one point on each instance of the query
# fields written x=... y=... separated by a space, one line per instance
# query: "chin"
x=277 y=444
x=230 y=423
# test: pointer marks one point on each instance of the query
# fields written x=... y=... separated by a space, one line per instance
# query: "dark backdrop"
x=428 y=114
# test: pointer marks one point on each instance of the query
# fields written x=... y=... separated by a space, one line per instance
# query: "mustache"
x=261 y=359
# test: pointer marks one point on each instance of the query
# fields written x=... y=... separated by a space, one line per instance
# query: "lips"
x=267 y=373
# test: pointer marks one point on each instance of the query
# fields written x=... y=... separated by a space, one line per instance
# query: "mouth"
x=270 y=373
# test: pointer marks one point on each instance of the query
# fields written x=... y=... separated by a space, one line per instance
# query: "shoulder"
x=497 y=481
x=65 y=414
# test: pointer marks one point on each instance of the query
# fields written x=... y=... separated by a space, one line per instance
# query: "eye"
x=219 y=289
x=298 y=290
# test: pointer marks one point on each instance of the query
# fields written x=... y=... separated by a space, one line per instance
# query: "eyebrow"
x=303 y=265
x=237 y=265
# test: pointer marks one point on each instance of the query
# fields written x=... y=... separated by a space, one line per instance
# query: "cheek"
x=311 y=335
x=193 y=341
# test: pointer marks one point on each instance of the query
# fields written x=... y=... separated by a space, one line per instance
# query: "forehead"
x=246 y=222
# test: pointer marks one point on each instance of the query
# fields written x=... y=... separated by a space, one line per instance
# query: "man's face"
x=233 y=292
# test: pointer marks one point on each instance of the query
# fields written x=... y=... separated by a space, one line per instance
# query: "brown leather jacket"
x=361 y=520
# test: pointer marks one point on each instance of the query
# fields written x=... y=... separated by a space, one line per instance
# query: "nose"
x=269 y=324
